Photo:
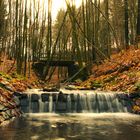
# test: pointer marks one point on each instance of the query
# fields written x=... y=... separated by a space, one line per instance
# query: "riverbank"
x=9 y=85
x=119 y=73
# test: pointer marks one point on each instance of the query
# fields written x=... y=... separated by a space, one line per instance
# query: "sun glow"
x=58 y=4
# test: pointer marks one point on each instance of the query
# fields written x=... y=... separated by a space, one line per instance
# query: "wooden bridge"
x=59 y=63
x=42 y=65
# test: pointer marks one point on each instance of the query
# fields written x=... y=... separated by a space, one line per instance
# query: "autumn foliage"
x=120 y=73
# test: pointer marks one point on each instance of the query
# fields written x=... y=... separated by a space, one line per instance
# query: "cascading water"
x=74 y=114
x=72 y=102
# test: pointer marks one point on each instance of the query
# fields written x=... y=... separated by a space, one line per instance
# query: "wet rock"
x=62 y=97
x=34 y=98
x=73 y=99
x=70 y=87
x=49 y=89
x=128 y=100
x=24 y=102
x=45 y=97
x=54 y=97
x=18 y=94
x=23 y=96
x=123 y=96
x=16 y=100
x=134 y=95
x=9 y=109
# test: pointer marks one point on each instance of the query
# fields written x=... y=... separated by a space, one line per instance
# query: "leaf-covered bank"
x=120 y=73
x=10 y=84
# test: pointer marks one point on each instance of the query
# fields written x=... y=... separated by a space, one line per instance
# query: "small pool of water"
x=84 y=126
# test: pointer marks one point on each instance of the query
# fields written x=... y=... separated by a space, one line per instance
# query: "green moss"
x=96 y=84
x=137 y=85
x=131 y=75
x=78 y=81
x=109 y=79
x=6 y=76
x=17 y=76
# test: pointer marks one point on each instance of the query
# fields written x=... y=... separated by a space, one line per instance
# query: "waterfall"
x=72 y=102
x=50 y=103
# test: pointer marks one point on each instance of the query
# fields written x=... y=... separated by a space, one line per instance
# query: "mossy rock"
x=96 y=84
x=137 y=85
x=6 y=76
x=109 y=79
x=2 y=85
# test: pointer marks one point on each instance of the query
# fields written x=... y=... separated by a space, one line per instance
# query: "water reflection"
x=73 y=127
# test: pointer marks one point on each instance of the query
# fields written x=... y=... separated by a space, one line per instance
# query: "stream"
x=79 y=119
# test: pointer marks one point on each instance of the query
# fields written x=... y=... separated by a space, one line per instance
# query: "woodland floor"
x=9 y=84
x=120 y=73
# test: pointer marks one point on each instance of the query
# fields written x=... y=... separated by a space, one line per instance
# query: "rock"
x=123 y=96
x=54 y=97
x=18 y=94
x=72 y=98
x=34 y=97
x=9 y=88
x=24 y=102
x=6 y=85
x=23 y=96
x=16 y=100
x=62 y=97
x=70 y=87
x=49 y=89
x=134 y=95
x=45 y=97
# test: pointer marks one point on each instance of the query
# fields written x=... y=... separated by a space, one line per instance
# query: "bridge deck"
x=57 y=63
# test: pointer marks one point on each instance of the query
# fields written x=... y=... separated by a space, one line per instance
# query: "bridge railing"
x=56 y=57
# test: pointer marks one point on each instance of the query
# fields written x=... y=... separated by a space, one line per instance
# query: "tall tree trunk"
x=17 y=42
x=96 y=25
x=107 y=37
x=49 y=33
x=126 y=24
x=84 y=29
x=138 y=25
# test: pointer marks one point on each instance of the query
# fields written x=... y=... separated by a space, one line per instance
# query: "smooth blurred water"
x=82 y=126
x=72 y=101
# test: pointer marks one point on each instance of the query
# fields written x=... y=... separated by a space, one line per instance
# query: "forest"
x=69 y=57
x=88 y=34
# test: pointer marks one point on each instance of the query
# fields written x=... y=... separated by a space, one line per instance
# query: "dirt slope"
x=120 y=73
